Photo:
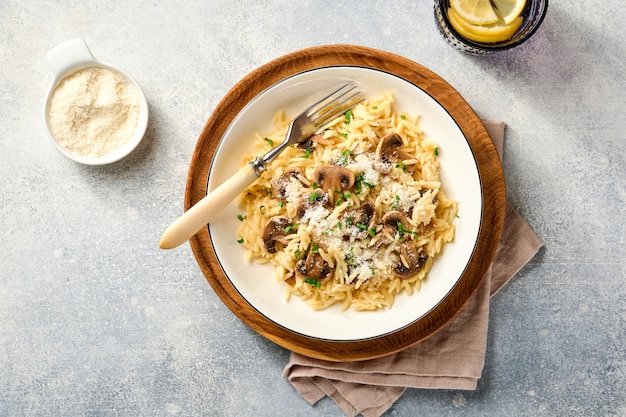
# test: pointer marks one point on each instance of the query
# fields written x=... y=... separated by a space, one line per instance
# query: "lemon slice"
x=496 y=32
x=509 y=10
x=475 y=12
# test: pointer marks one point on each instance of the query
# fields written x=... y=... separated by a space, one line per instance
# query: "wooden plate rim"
x=487 y=160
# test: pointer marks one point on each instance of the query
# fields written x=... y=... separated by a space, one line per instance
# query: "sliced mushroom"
x=314 y=266
x=309 y=201
x=388 y=153
x=412 y=260
x=425 y=229
x=363 y=216
x=275 y=231
x=392 y=220
x=280 y=184
x=366 y=214
x=333 y=178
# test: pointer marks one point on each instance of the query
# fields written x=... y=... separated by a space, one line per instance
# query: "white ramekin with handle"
x=72 y=56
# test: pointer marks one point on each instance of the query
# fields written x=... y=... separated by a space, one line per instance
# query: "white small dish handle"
x=68 y=55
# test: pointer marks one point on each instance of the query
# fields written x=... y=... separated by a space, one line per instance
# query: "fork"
x=312 y=120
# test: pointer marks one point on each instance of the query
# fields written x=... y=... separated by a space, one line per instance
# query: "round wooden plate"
x=486 y=158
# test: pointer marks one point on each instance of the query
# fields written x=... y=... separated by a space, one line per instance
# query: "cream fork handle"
x=206 y=209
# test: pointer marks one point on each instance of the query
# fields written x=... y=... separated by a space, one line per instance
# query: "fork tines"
x=335 y=104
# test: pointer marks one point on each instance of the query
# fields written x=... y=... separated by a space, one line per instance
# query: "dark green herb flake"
x=314 y=282
x=348 y=116
x=307 y=152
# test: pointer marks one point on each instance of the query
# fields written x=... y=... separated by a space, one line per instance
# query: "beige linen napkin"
x=453 y=358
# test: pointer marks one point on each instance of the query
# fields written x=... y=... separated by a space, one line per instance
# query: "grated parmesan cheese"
x=93 y=111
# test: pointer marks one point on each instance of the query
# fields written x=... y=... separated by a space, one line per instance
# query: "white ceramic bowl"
x=70 y=57
x=460 y=179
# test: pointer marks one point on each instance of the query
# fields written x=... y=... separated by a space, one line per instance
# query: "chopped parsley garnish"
x=344 y=134
x=307 y=152
x=403 y=117
x=240 y=240
x=402 y=231
x=350 y=258
x=457 y=215
x=359 y=182
x=270 y=141
x=374 y=107
x=396 y=202
x=358 y=185
x=343 y=159
x=290 y=228
x=314 y=196
x=401 y=165
x=436 y=151
x=315 y=186
x=314 y=282
x=241 y=218
x=298 y=253
x=372 y=270
x=281 y=203
x=315 y=248
x=371 y=231
x=342 y=197
x=349 y=221
x=348 y=116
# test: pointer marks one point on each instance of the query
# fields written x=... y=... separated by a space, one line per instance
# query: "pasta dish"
x=353 y=216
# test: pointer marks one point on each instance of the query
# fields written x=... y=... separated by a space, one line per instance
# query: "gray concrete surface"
x=95 y=320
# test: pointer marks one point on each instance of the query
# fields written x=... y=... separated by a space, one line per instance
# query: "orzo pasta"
x=355 y=215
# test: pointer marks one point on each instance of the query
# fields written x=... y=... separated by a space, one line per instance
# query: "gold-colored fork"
x=312 y=120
